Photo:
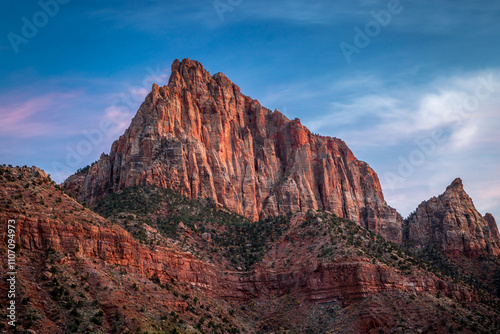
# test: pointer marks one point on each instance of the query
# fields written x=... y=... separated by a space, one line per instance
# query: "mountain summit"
x=201 y=136
x=451 y=223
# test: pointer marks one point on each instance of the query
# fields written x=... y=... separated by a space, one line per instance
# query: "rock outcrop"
x=200 y=136
x=451 y=223
x=113 y=246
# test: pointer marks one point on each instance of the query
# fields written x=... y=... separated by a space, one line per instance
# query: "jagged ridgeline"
x=200 y=136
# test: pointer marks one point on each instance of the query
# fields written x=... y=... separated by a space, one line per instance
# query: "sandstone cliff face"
x=200 y=136
x=450 y=222
x=114 y=246
x=56 y=222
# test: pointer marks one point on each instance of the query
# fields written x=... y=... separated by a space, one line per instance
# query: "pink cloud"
x=23 y=117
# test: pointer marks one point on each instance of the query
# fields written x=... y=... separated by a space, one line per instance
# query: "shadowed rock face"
x=200 y=136
x=451 y=222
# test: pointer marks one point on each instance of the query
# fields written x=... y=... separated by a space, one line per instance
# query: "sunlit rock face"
x=200 y=136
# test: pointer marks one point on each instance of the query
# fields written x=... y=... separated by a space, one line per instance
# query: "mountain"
x=159 y=262
x=213 y=214
x=451 y=223
x=202 y=137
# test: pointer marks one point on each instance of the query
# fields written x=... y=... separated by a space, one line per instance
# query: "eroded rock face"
x=113 y=245
x=318 y=282
x=200 y=136
x=492 y=224
x=451 y=222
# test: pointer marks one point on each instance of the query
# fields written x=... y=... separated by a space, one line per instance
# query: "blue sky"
x=418 y=98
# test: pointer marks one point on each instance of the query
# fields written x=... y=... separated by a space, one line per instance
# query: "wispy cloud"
x=31 y=116
x=156 y=15
x=395 y=115
x=385 y=122
x=319 y=12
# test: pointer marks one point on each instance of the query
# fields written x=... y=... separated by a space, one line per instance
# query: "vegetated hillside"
x=303 y=245
x=191 y=266
x=210 y=232
x=79 y=273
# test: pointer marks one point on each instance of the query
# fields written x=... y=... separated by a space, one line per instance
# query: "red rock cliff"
x=451 y=222
x=199 y=135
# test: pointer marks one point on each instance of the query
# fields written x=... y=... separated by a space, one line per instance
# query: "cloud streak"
x=26 y=117
x=398 y=115
x=383 y=121
x=389 y=122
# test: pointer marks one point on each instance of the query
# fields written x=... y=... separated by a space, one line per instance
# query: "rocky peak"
x=200 y=136
x=188 y=73
x=493 y=227
x=456 y=185
x=490 y=219
x=451 y=222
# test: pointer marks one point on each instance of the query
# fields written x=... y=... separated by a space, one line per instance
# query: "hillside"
x=161 y=262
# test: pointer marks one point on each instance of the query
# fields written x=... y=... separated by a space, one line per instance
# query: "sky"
x=412 y=87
